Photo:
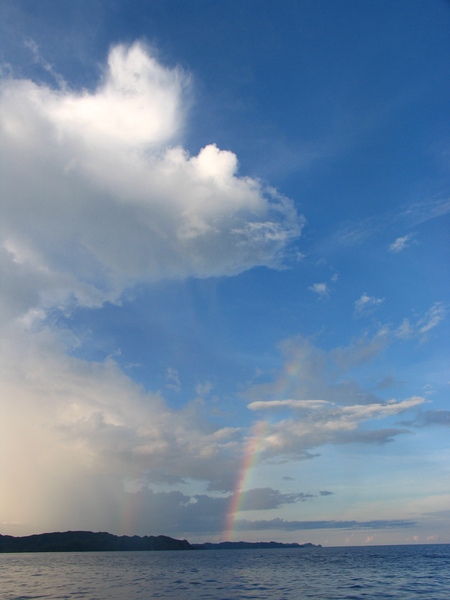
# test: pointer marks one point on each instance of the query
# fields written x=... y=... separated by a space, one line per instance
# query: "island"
x=250 y=545
x=88 y=541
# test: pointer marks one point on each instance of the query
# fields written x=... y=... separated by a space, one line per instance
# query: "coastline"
x=89 y=541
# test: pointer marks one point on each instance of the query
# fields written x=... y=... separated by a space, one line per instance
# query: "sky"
x=224 y=238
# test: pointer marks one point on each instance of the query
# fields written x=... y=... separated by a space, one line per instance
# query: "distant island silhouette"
x=250 y=545
x=88 y=541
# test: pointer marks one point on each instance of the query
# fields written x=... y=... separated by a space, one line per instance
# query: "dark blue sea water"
x=385 y=572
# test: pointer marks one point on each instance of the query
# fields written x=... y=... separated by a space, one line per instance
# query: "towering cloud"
x=99 y=195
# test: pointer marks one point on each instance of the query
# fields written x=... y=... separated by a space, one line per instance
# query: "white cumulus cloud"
x=98 y=193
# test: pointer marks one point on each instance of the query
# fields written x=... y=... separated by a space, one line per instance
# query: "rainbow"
x=251 y=454
x=286 y=386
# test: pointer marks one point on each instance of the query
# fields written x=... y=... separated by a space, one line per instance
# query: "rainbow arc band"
x=250 y=459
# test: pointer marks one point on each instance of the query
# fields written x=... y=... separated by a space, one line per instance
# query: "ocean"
x=350 y=573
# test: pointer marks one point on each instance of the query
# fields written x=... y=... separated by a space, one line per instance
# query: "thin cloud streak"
x=282 y=525
x=401 y=243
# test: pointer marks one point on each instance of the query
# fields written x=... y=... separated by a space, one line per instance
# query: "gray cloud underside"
x=201 y=513
x=267 y=498
x=429 y=418
x=174 y=511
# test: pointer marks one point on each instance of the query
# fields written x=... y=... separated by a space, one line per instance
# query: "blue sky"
x=224 y=247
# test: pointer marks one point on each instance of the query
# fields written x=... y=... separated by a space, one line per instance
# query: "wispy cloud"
x=321 y=289
x=355 y=233
x=387 y=382
x=173 y=379
x=428 y=321
x=401 y=243
x=367 y=304
x=203 y=389
x=283 y=525
x=268 y=498
x=311 y=377
x=293 y=404
x=432 y=318
x=421 y=212
x=39 y=59
x=362 y=349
